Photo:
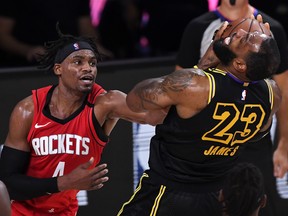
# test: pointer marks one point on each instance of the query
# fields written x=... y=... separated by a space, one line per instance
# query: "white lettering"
x=52 y=150
x=36 y=146
x=61 y=144
x=44 y=145
x=69 y=143
x=85 y=146
x=78 y=140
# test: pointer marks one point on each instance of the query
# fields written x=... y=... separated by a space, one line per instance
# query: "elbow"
x=133 y=103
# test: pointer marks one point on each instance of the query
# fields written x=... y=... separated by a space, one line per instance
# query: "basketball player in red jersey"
x=56 y=135
x=213 y=113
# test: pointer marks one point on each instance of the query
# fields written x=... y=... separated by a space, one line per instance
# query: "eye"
x=77 y=62
x=93 y=64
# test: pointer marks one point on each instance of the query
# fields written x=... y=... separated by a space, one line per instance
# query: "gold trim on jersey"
x=271 y=93
x=212 y=86
x=217 y=70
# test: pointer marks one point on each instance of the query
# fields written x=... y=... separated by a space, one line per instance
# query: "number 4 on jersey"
x=59 y=171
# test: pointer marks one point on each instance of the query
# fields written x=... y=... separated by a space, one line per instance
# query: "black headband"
x=70 y=48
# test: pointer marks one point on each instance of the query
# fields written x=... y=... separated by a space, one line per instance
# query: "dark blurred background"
x=125 y=29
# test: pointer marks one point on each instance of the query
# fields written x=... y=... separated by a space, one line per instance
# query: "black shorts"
x=150 y=199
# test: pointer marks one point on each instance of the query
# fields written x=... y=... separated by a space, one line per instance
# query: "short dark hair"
x=243 y=190
x=264 y=63
x=46 y=61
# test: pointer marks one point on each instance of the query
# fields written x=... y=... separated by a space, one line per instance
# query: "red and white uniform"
x=57 y=147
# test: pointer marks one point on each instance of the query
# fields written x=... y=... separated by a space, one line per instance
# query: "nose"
x=241 y=33
x=87 y=66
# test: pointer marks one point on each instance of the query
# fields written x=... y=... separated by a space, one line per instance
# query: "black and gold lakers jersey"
x=202 y=148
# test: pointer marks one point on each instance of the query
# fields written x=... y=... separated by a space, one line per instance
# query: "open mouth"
x=87 y=79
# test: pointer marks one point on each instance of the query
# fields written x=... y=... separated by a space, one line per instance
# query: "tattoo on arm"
x=175 y=82
x=178 y=81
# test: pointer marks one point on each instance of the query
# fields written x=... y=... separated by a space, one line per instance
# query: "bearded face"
x=223 y=53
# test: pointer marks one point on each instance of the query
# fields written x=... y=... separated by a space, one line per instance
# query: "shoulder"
x=184 y=78
x=110 y=99
x=275 y=91
x=24 y=108
x=26 y=104
x=186 y=73
x=2 y=186
x=272 y=83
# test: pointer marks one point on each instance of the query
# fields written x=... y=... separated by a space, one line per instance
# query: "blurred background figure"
x=118 y=24
x=143 y=28
x=167 y=21
x=278 y=9
x=243 y=193
x=25 y=25
x=124 y=29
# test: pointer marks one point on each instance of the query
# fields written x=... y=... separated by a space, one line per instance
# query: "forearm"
x=11 y=45
x=282 y=114
x=282 y=123
x=13 y=166
x=145 y=95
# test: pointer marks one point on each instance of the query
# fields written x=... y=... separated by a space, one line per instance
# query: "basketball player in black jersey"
x=193 y=46
x=211 y=116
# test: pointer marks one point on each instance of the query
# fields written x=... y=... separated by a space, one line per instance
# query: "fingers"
x=98 y=177
x=97 y=184
x=259 y=18
x=221 y=30
x=279 y=171
x=88 y=164
x=267 y=25
x=252 y=16
x=280 y=164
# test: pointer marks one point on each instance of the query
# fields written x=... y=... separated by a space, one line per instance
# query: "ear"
x=263 y=201
x=221 y=196
x=240 y=65
x=57 y=69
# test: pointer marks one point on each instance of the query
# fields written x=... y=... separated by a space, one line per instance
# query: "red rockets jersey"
x=57 y=147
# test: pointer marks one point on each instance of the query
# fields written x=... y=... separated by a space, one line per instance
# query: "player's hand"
x=280 y=161
x=260 y=19
x=210 y=60
x=84 y=178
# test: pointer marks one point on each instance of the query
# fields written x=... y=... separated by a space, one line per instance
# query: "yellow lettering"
x=225 y=151
x=207 y=152
x=234 y=151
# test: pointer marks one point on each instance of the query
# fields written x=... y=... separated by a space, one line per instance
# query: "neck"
x=238 y=76
x=64 y=103
x=233 y=12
